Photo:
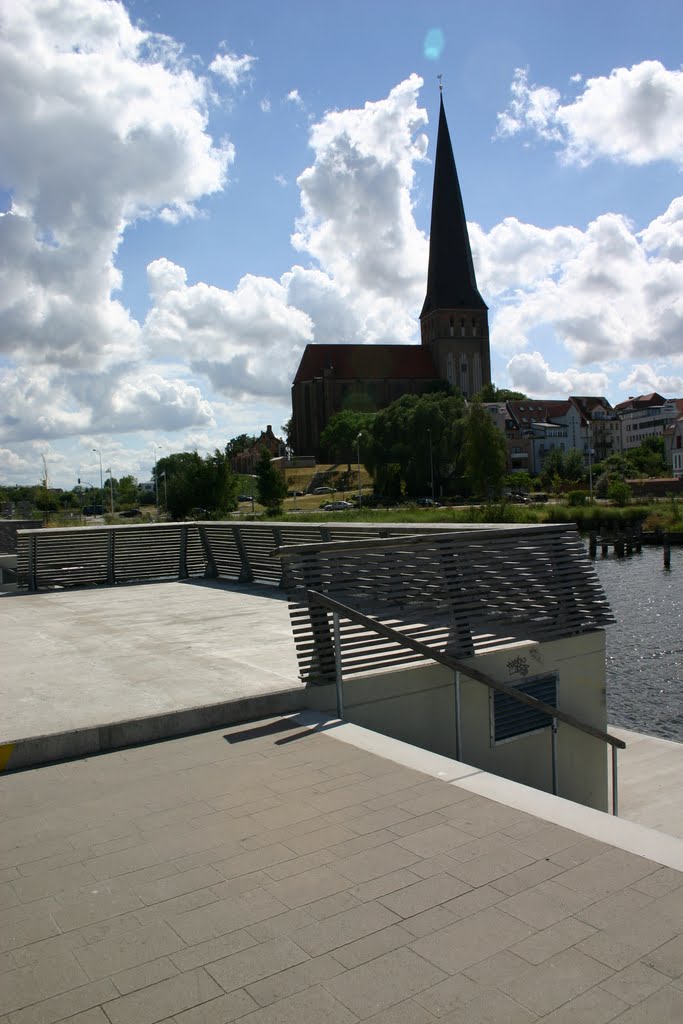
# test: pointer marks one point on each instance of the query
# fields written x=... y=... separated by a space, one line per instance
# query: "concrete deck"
x=269 y=873
x=88 y=669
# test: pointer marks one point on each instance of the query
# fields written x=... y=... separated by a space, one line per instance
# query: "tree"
x=239 y=444
x=194 y=482
x=272 y=485
x=339 y=436
x=490 y=393
x=127 y=491
x=411 y=437
x=553 y=468
x=574 y=468
x=485 y=452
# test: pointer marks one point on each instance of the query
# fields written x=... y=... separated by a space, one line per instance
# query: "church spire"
x=451 y=282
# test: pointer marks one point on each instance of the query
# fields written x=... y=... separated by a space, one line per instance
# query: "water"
x=645 y=647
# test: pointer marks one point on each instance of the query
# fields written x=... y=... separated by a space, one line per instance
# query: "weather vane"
x=440 y=83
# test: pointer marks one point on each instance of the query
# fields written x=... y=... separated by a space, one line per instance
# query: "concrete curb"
x=34 y=751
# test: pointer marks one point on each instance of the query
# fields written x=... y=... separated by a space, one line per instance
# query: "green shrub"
x=619 y=493
x=577 y=498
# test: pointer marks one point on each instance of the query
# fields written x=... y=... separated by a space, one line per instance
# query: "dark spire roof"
x=451 y=283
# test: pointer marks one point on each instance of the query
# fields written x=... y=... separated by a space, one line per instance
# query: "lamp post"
x=590 y=463
x=101 y=477
x=157 y=447
x=431 y=460
x=111 y=489
x=360 y=493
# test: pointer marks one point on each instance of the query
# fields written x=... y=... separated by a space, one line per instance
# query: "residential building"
x=644 y=416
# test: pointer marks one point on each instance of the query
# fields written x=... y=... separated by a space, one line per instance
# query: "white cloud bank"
x=634 y=115
x=103 y=124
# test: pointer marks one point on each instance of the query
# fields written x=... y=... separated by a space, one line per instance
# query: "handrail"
x=555 y=714
x=461 y=666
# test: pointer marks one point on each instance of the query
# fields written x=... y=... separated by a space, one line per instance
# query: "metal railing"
x=362 y=605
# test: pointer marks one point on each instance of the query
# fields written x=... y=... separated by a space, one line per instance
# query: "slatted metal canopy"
x=456 y=592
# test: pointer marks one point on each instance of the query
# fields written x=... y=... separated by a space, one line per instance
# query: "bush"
x=577 y=498
x=619 y=493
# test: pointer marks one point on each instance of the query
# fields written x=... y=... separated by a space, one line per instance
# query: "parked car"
x=130 y=513
x=244 y=497
x=337 y=506
x=427 y=503
x=324 y=490
x=93 y=510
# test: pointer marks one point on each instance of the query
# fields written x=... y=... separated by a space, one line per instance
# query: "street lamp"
x=157 y=448
x=590 y=463
x=101 y=479
x=111 y=489
x=360 y=493
x=431 y=460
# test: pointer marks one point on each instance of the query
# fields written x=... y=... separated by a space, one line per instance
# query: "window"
x=510 y=719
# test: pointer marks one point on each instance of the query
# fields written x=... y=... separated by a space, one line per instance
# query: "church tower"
x=454 y=319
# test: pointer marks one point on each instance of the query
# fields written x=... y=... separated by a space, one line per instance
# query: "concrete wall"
x=417 y=705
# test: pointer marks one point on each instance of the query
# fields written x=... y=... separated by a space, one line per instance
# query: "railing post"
x=458 y=728
x=277 y=542
x=111 y=567
x=339 y=681
x=246 y=575
x=210 y=568
x=553 y=752
x=615 y=783
x=182 y=559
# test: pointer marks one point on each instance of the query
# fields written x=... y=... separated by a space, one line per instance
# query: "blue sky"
x=191 y=193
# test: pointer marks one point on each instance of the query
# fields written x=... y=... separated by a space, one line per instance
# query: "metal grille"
x=509 y=718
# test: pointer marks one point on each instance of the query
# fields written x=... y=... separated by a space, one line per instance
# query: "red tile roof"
x=367 y=362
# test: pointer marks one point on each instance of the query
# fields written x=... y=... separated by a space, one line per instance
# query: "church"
x=453 y=327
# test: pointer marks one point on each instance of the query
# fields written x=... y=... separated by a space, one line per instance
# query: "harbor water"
x=645 y=646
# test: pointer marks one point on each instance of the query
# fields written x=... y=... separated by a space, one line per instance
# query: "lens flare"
x=434 y=44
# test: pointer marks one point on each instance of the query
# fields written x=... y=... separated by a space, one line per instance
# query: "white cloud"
x=357 y=219
x=644 y=378
x=232 y=68
x=634 y=115
x=294 y=97
x=280 y=179
x=264 y=104
x=247 y=341
x=101 y=124
x=529 y=372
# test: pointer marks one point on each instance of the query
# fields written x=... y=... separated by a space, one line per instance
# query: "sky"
x=191 y=193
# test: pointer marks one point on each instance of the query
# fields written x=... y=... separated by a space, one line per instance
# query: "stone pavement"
x=269 y=873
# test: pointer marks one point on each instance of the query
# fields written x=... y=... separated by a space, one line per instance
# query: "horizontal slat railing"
x=229 y=550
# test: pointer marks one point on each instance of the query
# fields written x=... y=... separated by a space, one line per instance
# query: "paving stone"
x=40 y=981
x=663 y=1007
x=546 y=841
x=434 y=840
x=297 y=865
x=667 y=958
x=67 y=1004
x=218 y=1011
x=553 y=940
x=321 y=839
x=371 y=946
x=323 y=936
x=121 y=863
x=406 y=1012
x=596 y=1006
x=480 y=817
x=660 y=883
x=360 y=843
x=554 y=982
x=301 y=890
x=47 y=883
x=242 y=883
x=152 y=1004
x=544 y=904
x=294 y=979
x=98 y=904
x=21 y=956
x=388 y=979
x=177 y=884
x=425 y=894
x=526 y=877
x=491 y=1007
x=250 y=965
x=428 y=921
x=635 y=983
x=312 y=1006
x=24 y=924
x=145 y=974
x=607 y=873
x=482 y=868
x=170 y=909
x=475 y=938
x=474 y=901
x=500 y=967
x=377 y=887
x=119 y=952
x=283 y=924
x=449 y=995
x=412 y=824
x=212 y=949
x=630 y=939
x=254 y=860
x=376 y=862
x=611 y=910
x=227 y=915
x=331 y=905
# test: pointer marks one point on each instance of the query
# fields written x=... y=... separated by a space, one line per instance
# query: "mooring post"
x=592 y=543
x=666 y=548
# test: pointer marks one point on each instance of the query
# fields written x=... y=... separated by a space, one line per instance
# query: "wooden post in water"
x=592 y=543
x=666 y=546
